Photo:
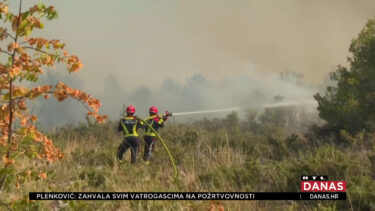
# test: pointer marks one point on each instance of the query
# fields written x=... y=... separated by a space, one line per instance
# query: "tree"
x=27 y=58
x=350 y=104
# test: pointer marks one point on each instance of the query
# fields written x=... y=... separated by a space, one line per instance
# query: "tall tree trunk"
x=10 y=132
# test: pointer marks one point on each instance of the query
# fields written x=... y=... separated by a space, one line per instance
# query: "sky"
x=138 y=52
x=144 y=42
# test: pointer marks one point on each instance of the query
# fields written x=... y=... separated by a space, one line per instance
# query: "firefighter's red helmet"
x=130 y=109
x=153 y=110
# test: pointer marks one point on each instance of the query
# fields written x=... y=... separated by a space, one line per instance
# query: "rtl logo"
x=320 y=184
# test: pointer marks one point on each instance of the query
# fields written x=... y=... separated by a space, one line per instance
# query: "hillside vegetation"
x=258 y=153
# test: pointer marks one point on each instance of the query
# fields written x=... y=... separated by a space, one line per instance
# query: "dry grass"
x=218 y=159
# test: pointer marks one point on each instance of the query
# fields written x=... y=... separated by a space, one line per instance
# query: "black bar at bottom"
x=187 y=195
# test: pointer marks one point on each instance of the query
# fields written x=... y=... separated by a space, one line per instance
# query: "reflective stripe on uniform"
x=134 y=129
x=149 y=131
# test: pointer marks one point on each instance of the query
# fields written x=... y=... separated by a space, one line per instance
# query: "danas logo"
x=322 y=186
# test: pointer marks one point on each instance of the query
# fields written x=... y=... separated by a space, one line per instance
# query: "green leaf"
x=25 y=14
x=52 y=15
x=32 y=77
x=41 y=6
x=6 y=96
x=28 y=32
x=9 y=17
x=7 y=174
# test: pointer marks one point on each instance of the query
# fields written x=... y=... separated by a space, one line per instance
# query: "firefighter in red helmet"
x=156 y=121
x=129 y=125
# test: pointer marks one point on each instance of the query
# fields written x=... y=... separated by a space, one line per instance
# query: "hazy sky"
x=141 y=43
x=144 y=42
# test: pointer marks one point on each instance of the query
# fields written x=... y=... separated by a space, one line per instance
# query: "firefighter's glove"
x=165 y=118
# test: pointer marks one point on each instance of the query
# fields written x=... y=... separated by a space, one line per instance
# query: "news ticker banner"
x=187 y=195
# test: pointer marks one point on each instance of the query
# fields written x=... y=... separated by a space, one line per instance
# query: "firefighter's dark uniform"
x=129 y=125
x=150 y=137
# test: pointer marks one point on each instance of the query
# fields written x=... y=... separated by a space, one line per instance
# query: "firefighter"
x=129 y=125
x=156 y=121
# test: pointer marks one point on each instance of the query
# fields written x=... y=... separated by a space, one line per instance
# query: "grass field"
x=256 y=153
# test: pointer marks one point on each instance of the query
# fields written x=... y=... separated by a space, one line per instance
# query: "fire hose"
x=164 y=146
x=280 y=104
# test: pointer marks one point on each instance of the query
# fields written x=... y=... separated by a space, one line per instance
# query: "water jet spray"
x=271 y=105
